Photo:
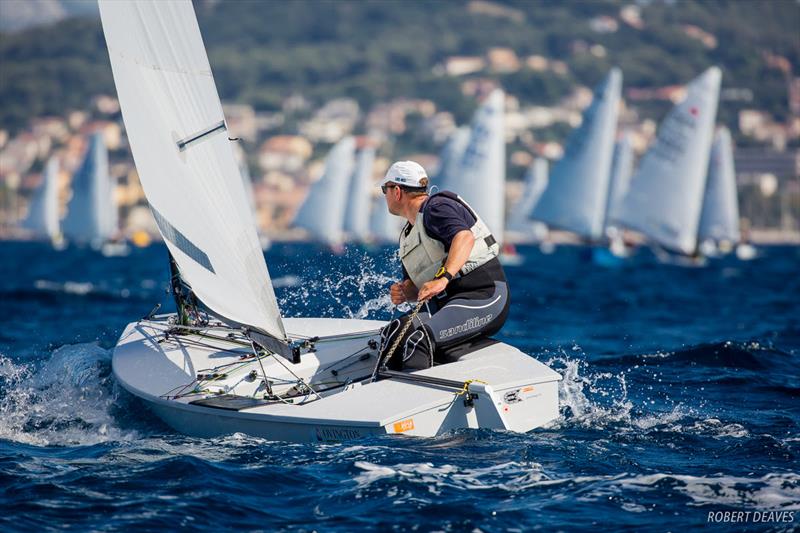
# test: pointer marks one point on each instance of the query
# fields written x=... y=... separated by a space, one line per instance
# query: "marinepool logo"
x=472 y=323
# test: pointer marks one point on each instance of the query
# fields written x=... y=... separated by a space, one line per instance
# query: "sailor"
x=449 y=262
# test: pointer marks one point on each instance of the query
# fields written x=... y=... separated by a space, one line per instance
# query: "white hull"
x=511 y=390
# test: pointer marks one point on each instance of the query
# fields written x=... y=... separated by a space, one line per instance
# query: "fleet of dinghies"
x=228 y=361
x=92 y=216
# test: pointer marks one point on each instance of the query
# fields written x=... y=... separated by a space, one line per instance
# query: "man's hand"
x=402 y=291
x=431 y=289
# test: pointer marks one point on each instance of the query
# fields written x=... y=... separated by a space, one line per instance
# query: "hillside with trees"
x=374 y=50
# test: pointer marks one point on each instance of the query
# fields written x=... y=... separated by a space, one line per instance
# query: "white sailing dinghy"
x=42 y=220
x=446 y=173
x=576 y=195
x=666 y=193
x=520 y=228
x=323 y=211
x=92 y=218
x=359 y=199
x=719 y=220
x=248 y=369
x=480 y=176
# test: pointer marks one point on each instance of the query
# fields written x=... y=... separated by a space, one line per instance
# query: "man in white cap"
x=449 y=260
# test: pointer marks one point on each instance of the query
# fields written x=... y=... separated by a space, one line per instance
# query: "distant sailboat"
x=357 y=214
x=480 y=177
x=719 y=220
x=520 y=227
x=575 y=198
x=445 y=176
x=621 y=172
x=385 y=227
x=666 y=193
x=43 y=220
x=92 y=217
x=322 y=213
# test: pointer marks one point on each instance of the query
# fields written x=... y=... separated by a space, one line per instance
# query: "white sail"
x=179 y=141
x=384 y=226
x=42 y=219
x=450 y=159
x=719 y=220
x=356 y=222
x=621 y=172
x=322 y=212
x=575 y=198
x=535 y=183
x=481 y=175
x=92 y=211
x=666 y=192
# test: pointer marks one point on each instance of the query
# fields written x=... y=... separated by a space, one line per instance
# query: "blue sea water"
x=679 y=399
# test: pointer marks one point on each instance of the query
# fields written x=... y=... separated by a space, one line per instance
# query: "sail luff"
x=536 y=178
x=185 y=162
x=665 y=197
x=575 y=198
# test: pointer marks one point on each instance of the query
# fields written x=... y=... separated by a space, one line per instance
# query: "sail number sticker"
x=404 y=425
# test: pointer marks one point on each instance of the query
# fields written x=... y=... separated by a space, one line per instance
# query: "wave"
x=69 y=400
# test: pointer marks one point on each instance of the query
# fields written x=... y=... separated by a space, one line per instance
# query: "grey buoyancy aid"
x=422 y=255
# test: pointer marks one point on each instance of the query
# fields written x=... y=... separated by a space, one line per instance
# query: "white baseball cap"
x=407 y=173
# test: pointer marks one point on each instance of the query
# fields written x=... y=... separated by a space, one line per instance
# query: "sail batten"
x=168 y=97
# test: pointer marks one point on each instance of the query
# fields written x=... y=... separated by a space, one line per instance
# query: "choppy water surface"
x=680 y=398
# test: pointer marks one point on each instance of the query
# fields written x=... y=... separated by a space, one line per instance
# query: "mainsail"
x=666 y=192
x=621 y=172
x=575 y=198
x=179 y=141
x=480 y=177
x=450 y=159
x=92 y=211
x=535 y=184
x=719 y=220
x=42 y=219
x=356 y=222
x=322 y=212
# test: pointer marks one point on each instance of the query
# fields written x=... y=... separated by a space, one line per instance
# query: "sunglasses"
x=388 y=186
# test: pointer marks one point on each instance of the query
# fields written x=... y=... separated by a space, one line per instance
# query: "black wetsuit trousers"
x=472 y=307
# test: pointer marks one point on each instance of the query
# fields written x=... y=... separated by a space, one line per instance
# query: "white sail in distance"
x=719 y=220
x=180 y=145
x=42 y=219
x=666 y=192
x=385 y=227
x=322 y=213
x=92 y=211
x=480 y=177
x=450 y=159
x=356 y=222
x=535 y=183
x=621 y=172
x=575 y=198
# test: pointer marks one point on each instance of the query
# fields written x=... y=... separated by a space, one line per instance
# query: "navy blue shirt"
x=443 y=218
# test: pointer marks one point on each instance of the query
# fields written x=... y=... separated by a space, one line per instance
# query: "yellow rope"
x=465 y=388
